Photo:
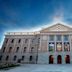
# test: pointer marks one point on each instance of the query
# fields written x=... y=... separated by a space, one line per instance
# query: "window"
x=19 y=40
x=6 y=40
x=32 y=49
x=38 y=40
x=12 y=40
x=30 y=59
x=67 y=59
x=14 y=57
x=4 y=49
x=0 y=57
x=10 y=49
x=66 y=46
x=66 y=37
x=25 y=49
x=17 y=49
x=59 y=46
x=23 y=57
x=51 y=38
x=51 y=59
x=7 y=57
x=58 y=37
x=59 y=59
x=33 y=40
x=26 y=40
x=51 y=46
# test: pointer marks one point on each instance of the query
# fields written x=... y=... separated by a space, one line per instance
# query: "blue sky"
x=18 y=15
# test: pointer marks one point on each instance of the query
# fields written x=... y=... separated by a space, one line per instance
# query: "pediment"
x=57 y=27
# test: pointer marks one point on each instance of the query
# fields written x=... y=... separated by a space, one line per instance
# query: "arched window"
x=26 y=40
x=51 y=59
x=4 y=49
x=12 y=40
x=10 y=48
x=7 y=57
x=23 y=57
x=59 y=59
x=14 y=57
x=32 y=48
x=6 y=40
x=19 y=40
x=25 y=49
x=67 y=59
x=17 y=49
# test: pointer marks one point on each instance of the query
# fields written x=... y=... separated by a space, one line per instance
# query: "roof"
x=57 y=27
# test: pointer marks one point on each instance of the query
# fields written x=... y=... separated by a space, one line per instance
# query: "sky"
x=26 y=15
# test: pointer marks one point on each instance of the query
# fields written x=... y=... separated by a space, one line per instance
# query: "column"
x=55 y=43
x=62 y=44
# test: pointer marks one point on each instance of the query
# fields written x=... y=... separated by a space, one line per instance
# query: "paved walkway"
x=41 y=68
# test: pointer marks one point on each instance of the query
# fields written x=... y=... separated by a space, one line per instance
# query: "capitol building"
x=51 y=45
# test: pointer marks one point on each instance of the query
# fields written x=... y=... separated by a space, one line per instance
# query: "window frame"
x=7 y=58
x=19 y=41
x=17 y=49
x=50 y=37
x=12 y=41
x=57 y=48
x=25 y=49
x=58 y=39
x=14 y=58
x=66 y=39
x=53 y=47
x=67 y=48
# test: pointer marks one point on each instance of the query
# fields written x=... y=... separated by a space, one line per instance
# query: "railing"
x=22 y=33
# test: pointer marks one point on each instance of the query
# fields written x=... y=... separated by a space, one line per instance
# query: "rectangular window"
x=58 y=38
x=66 y=37
x=59 y=46
x=66 y=46
x=51 y=37
x=51 y=46
x=31 y=57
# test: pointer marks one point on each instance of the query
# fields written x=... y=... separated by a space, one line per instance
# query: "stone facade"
x=52 y=45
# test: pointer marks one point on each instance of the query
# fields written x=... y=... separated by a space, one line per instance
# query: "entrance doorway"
x=67 y=59
x=59 y=59
x=51 y=59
